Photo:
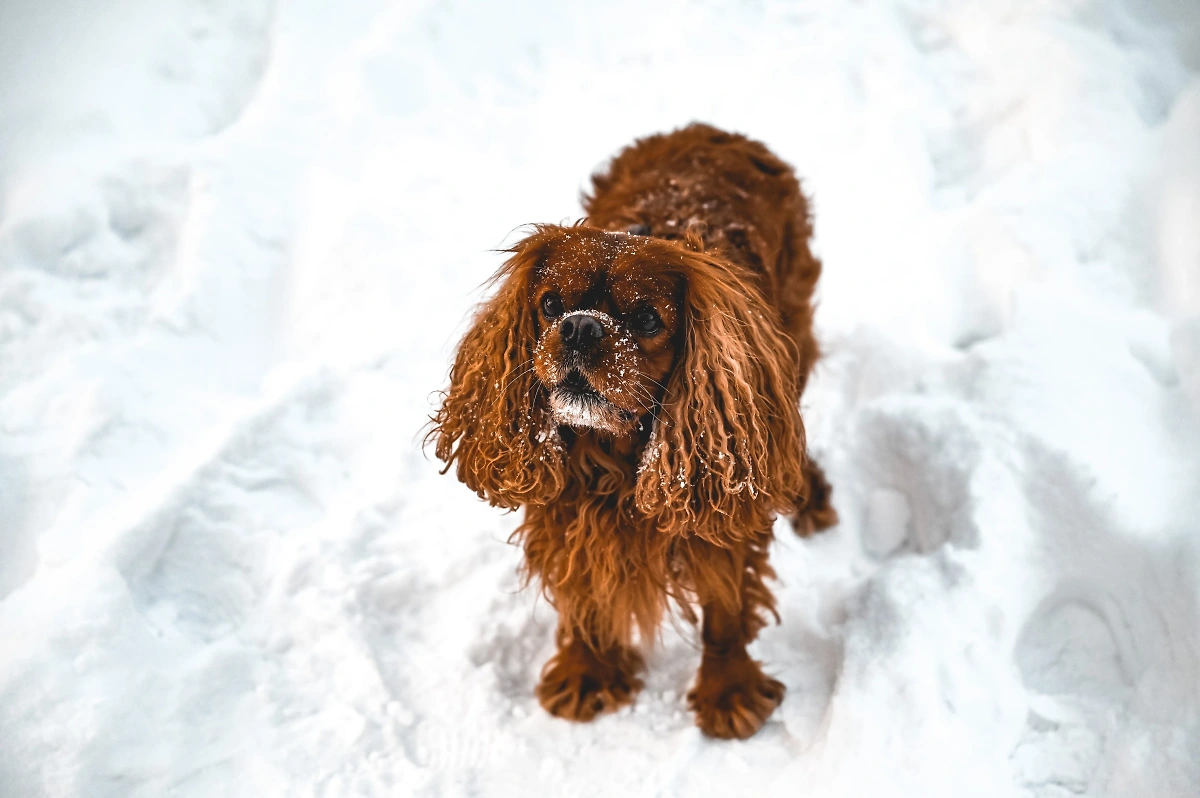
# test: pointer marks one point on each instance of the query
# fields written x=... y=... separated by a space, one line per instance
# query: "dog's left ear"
x=728 y=448
x=490 y=422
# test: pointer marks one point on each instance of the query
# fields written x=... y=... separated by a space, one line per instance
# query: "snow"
x=885 y=525
x=238 y=242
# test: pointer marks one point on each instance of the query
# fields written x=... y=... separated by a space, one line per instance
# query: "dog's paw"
x=808 y=522
x=579 y=684
x=733 y=697
x=818 y=513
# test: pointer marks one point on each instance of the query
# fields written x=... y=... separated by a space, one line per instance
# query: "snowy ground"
x=239 y=241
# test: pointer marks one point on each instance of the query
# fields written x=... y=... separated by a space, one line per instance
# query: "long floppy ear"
x=490 y=423
x=728 y=448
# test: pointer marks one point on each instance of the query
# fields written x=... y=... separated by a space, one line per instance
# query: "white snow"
x=238 y=242
x=885 y=525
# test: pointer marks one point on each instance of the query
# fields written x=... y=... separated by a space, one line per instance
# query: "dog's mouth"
x=578 y=385
x=577 y=404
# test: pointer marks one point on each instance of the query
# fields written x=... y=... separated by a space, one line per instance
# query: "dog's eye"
x=645 y=321
x=552 y=306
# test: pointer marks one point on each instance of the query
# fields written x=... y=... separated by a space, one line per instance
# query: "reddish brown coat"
x=713 y=230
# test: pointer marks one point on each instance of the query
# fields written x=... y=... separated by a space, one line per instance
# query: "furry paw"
x=733 y=697
x=579 y=684
x=818 y=513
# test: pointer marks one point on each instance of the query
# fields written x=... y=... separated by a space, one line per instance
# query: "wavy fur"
x=711 y=230
x=491 y=422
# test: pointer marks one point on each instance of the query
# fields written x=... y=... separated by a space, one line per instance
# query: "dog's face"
x=608 y=331
x=597 y=330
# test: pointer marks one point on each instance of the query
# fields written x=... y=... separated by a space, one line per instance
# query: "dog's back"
x=743 y=202
x=739 y=198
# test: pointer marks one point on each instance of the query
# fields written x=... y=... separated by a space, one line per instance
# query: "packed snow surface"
x=238 y=242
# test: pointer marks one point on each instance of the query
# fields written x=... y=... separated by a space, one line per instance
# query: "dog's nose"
x=580 y=331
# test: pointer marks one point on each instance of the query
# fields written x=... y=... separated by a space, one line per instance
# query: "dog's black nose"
x=580 y=331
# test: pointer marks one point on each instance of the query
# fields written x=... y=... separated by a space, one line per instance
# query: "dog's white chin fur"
x=580 y=411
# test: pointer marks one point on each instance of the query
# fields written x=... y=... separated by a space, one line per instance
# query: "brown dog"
x=635 y=385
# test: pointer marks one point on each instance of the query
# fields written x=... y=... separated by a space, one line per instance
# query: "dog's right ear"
x=490 y=422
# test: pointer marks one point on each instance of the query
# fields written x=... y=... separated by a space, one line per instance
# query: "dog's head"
x=609 y=328
x=629 y=337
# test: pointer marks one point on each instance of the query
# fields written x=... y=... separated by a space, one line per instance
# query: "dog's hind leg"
x=818 y=513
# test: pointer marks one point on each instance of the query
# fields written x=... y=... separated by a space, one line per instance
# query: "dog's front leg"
x=588 y=675
x=733 y=697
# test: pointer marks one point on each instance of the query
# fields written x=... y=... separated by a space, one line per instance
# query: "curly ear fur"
x=728 y=449
x=506 y=447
